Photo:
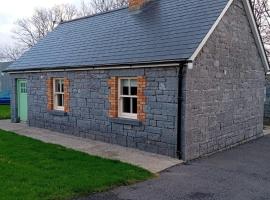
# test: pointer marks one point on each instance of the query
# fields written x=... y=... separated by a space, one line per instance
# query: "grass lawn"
x=4 y=112
x=30 y=169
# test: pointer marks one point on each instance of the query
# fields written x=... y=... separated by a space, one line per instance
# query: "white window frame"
x=120 y=99
x=55 y=106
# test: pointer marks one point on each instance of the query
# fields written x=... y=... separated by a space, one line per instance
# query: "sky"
x=11 y=10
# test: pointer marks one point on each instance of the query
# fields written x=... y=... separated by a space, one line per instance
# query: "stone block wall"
x=224 y=92
x=89 y=105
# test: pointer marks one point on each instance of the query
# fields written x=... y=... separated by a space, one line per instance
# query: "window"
x=23 y=87
x=128 y=98
x=58 y=94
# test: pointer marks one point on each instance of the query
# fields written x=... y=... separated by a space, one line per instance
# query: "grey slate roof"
x=4 y=65
x=165 y=30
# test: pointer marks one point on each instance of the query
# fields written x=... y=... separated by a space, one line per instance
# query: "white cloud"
x=5 y=39
x=22 y=8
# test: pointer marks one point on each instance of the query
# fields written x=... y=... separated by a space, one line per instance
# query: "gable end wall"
x=224 y=92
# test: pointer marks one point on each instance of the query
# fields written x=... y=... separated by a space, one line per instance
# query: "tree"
x=261 y=9
x=11 y=53
x=30 y=30
x=98 y=6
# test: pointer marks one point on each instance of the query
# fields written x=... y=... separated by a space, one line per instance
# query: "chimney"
x=136 y=5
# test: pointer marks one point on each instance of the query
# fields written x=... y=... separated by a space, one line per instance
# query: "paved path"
x=152 y=162
x=242 y=173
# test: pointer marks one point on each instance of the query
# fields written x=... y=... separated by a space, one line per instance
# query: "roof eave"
x=154 y=64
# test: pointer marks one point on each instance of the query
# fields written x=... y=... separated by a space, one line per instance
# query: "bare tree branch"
x=11 y=53
x=261 y=9
x=99 y=6
x=30 y=30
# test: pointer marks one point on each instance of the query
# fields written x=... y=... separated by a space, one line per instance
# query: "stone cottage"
x=182 y=78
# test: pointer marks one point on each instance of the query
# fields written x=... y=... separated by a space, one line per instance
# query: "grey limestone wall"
x=89 y=105
x=224 y=92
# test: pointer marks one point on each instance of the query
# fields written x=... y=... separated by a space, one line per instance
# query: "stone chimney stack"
x=136 y=5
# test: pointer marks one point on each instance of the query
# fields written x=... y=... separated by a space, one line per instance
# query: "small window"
x=128 y=98
x=23 y=87
x=58 y=93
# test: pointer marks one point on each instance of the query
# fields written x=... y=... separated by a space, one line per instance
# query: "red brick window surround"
x=50 y=94
x=58 y=94
x=126 y=97
x=141 y=81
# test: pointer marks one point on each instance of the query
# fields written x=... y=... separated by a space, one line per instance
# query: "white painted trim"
x=176 y=64
x=121 y=114
x=253 y=27
x=205 y=39
x=55 y=106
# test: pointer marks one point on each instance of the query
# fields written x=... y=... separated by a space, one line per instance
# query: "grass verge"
x=30 y=169
x=4 y=112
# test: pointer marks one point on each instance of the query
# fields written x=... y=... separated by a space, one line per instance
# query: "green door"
x=22 y=100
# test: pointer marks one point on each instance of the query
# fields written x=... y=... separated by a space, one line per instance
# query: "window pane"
x=62 y=86
x=60 y=100
x=134 y=105
x=57 y=86
x=133 y=83
x=125 y=91
x=133 y=91
x=126 y=105
x=23 y=88
x=125 y=86
x=125 y=82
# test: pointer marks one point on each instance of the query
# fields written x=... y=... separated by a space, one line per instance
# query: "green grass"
x=4 y=112
x=30 y=169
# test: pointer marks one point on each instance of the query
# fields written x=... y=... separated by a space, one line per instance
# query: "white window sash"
x=120 y=99
x=55 y=94
x=130 y=96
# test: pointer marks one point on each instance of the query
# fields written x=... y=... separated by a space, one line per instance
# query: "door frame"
x=18 y=99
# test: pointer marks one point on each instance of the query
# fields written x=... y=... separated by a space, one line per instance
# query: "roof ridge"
x=94 y=15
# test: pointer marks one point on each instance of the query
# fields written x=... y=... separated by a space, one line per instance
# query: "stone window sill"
x=58 y=113
x=125 y=121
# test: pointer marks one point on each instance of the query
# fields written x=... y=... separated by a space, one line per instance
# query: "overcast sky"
x=11 y=10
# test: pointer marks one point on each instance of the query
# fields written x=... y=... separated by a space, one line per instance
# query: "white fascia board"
x=254 y=29
x=205 y=39
x=256 y=33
